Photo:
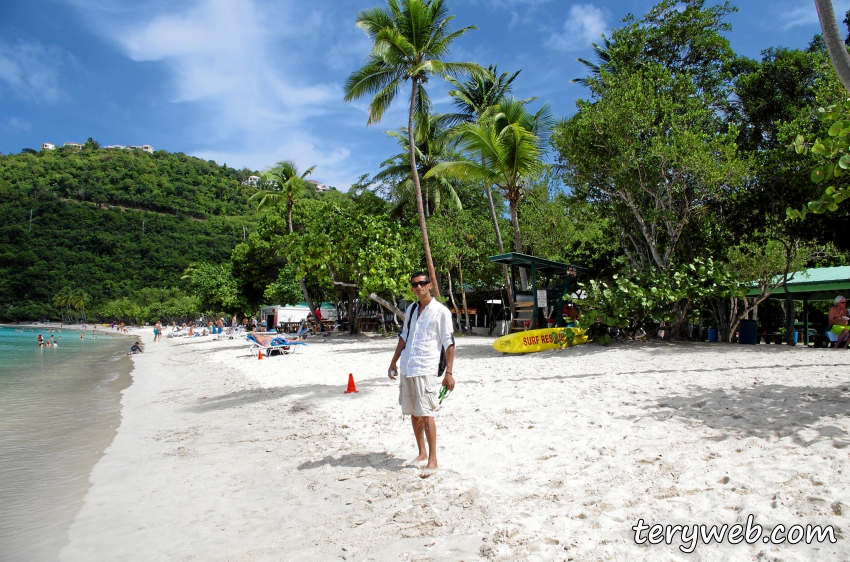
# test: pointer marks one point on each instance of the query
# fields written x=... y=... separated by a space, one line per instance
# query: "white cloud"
x=19 y=124
x=28 y=70
x=243 y=65
x=585 y=25
x=805 y=13
x=223 y=51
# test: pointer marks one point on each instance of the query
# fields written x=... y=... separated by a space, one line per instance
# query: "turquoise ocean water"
x=59 y=409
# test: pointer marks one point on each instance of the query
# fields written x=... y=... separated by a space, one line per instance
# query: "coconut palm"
x=434 y=143
x=411 y=38
x=281 y=184
x=62 y=301
x=834 y=43
x=511 y=143
x=603 y=55
x=472 y=99
x=78 y=301
x=478 y=93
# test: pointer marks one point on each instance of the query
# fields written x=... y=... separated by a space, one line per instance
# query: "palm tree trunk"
x=498 y=230
x=417 y=187
x=301 y=282
x=463 y=296
x=289 y=216
x=834 y=43
x=523 y=279
x=452 y=298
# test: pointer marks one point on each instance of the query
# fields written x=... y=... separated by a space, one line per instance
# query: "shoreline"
x=61 y=411
x=548 y=456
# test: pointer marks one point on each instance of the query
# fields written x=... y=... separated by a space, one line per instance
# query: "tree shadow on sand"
x=306 y=395
x=357 y=460
x=763 y=411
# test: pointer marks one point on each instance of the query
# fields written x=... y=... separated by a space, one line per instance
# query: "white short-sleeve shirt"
x=429 y=333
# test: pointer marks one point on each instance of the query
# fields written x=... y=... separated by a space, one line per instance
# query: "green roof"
x=547 y=267
x=816 y=284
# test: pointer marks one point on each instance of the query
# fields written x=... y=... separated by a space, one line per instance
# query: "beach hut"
x=549 y=282
x=816 y=284
x=292 y=313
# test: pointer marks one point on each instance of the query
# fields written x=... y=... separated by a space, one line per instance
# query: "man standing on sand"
x=427 y=331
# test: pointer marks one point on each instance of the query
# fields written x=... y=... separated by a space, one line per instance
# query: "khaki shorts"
x=419 y=396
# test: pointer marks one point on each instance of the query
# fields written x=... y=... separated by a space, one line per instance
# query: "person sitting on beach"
x=191 y=330
x=838 y=322
x=570 y=314
x=135 y=349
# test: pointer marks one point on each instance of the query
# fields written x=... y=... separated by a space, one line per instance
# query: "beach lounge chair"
x=277 y=344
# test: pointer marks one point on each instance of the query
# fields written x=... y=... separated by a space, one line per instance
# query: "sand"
x=549 y=456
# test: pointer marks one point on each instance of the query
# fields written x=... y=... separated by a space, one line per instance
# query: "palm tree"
x=78 y=300
x=281 y=183
x=434 y=143
x=474 y=96
x=62 y=300
x=410 y=39
x=472 y=99
x=603 y=54
x=511 y=143
x=834 y=43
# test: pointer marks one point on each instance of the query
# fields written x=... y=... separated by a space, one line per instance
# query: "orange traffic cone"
x=351 y=388
x=259 y=355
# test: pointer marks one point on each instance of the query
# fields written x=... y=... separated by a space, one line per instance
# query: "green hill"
x=111 y=222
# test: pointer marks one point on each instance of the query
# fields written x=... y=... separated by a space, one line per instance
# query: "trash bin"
x=748 y=332
x=712 y=335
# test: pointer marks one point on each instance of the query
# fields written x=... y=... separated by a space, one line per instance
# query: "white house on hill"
x=77 y=145
x=319 y=186
x=252 y=181
x=47 y=146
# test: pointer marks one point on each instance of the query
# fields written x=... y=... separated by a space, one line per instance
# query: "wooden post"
x=806 y=320
x=534 y=314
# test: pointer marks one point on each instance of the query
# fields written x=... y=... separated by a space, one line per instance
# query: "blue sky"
x=251 y=82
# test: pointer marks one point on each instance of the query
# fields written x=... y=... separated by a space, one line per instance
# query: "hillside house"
x=319 y=186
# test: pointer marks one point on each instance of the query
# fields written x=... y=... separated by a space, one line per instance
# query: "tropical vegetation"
x=672 y=182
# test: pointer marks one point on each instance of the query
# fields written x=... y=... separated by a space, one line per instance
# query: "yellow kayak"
x=540 y=340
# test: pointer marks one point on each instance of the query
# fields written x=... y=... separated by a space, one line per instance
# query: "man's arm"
x=402 y=343
x=393 y=370
x=449 y=380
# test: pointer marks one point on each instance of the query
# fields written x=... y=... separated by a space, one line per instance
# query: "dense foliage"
x=76 y=240
x=669 y=183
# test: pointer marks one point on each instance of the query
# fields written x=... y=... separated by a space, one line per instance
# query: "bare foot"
x=427 y=472
x=416 y=461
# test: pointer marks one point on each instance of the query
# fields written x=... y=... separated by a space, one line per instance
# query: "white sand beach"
x=550 y=456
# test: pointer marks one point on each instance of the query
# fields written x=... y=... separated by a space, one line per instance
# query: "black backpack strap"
x=409 y=315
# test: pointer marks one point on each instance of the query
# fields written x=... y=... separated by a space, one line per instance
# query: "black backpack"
x=441 y=368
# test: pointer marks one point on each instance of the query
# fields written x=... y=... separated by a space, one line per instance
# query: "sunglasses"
x=414 y=284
